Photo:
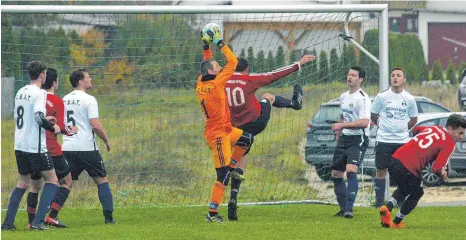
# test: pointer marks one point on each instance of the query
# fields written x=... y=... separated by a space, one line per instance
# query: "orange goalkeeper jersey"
x=212 y=97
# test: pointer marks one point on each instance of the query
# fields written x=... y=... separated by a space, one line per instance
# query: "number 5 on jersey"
x=69 y=117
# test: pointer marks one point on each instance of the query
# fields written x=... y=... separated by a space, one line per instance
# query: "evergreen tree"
x=323 y=67
x=437 y=71
x=451 y=73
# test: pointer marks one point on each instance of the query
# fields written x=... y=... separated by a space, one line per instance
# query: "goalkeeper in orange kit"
x=219 y=134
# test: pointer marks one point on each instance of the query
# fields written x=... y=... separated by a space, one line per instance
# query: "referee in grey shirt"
x=395 y=112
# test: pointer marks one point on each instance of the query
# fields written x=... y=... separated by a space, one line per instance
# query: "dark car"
x=321 y=140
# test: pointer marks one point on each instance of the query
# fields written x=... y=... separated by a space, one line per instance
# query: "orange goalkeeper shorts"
x=221 y=147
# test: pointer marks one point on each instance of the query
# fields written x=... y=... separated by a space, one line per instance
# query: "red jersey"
x=241 y=89
x=430 y=144
x=55 y=108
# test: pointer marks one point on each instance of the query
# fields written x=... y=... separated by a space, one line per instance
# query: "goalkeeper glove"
x=204 y=40
x=216 y=34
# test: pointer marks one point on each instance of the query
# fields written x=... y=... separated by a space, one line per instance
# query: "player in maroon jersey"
x=252 y=116
x=55 y=108
x=433 y=144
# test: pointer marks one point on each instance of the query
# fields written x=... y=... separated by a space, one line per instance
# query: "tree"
x=270 y=61
x=451 y=73
x=251 y=59
x=242 y=54
x=461 y=70
x=334 y=65
x=260 y=62
x=313 y=68
x=280 y=57
x=347 y=60
x=323 y=67
x=437 y=71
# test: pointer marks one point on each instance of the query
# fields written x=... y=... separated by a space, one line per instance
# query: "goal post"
x=144 y=60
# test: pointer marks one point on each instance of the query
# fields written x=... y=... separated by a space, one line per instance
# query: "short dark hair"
x=77 y=75
x=242 y=64
x=50 y=78
x=361 y=71
x=35 y=68
x=455 y=121
x=206 y=65
x=398 y=68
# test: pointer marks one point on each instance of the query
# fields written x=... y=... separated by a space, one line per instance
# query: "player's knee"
x=223 y=175
x=22 y=184
x=417 y=194
x=246 y=140
x=269 y=97
x=66 y=182
x=35 y=185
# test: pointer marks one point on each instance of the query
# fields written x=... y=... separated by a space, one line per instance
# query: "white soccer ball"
x=213 y=28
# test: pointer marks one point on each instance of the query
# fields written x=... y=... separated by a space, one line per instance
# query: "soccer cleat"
x=215 y=218
x=348 y=215
x=8 y=227
x=385 y=217
x=40 y=226
x=237 y=176
x=297 y=100
x=54 y=222
x=109 y=221
x=399 y=225
x=341 y=213
x=232 y=210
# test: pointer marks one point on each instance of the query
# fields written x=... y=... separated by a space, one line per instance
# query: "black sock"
x=106 y=199
x=212 y=213
x=235 y=184
x=58 y=201
x=281 y=102
x=32 y=200
x=399 y=217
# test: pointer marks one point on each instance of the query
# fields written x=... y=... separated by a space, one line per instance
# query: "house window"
x=395 y=24
x=411 y=25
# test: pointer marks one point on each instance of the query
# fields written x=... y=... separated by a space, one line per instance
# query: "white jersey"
x=29 y=136
x=80 y=108
x=354 y=107
x=395 y=111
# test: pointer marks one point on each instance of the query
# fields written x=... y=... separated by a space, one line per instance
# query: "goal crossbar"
x=193 y=9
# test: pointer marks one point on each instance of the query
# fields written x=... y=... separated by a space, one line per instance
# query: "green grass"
x=256 y=222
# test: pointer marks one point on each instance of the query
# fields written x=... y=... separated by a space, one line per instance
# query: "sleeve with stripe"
x=263 y=79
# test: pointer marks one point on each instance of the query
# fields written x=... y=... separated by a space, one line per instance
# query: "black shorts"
x=257 y=126
x=350 y=150
x=29 y=163
x=62 y=168
x=91 y=161
x=406 y=181
x=383 y=154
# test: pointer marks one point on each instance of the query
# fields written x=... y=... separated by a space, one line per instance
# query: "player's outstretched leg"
x=295 y=103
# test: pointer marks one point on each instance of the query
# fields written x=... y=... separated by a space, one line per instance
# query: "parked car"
x=321 y=140
x=462 y=91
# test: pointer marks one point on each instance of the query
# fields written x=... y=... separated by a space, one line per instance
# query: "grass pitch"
x=255 y=222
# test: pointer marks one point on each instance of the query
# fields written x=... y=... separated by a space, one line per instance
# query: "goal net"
x=144 y=68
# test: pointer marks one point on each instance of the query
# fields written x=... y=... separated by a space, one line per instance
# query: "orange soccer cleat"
x=385 y=217
x=399 y=225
